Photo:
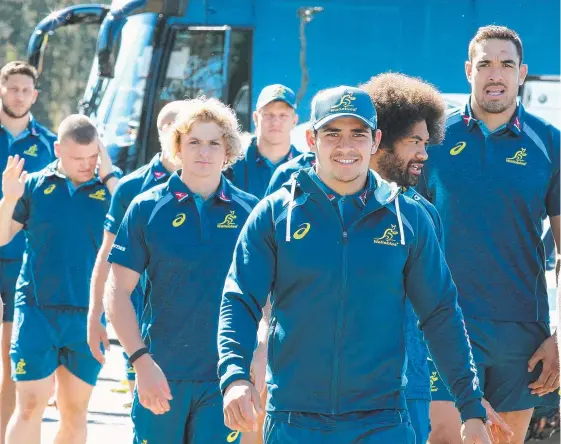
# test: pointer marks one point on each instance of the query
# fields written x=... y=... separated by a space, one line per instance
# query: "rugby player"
x=181 y=234
x=493 y=180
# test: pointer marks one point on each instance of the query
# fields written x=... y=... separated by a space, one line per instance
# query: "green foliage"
x=68 y=58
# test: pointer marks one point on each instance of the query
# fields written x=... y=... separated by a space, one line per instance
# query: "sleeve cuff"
x=473 y=409
x=110 y=225
x=119 y=259
x=233 y=375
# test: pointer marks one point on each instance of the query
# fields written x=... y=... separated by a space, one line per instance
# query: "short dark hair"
x=18 y=67
x=79 y=128
x=401 y=101
x=494 y=32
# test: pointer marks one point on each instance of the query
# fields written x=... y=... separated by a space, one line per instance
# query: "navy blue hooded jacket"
x=336 y=338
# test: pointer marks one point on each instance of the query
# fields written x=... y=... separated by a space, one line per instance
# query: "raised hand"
x=13 y=179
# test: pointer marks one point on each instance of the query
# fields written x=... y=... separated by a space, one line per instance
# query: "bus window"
x=214 y=62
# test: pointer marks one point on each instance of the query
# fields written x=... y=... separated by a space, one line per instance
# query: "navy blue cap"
x=343 y=101
x=274 y=93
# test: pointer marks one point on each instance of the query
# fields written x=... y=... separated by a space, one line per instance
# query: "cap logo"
x=280 y=91
x=345 y=104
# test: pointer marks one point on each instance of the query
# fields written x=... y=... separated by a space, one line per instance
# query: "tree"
x=68 y=58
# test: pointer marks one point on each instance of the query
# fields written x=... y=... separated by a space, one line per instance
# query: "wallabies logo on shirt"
x=31 y=151
x=232 y=436
x=228 y=221
x=387 y=237
x=20 y=367
x=98 y=195
x=518 y=158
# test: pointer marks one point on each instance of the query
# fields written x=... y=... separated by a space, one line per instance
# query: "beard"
x=396 y=169
x=496 y=106
x=12 y=114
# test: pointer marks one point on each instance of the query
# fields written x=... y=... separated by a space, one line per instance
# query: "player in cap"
x=274 y=117
x=339 y=377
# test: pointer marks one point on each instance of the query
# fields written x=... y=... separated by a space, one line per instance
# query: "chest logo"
x=179 y=219
x=49 y=189
x=98 y=195
x=232 y=436
x=228 y=221
x=20 y=367
x=518 y=158
x=388 y=237
x=31 y=151
x=301 y=231
x=457 y=149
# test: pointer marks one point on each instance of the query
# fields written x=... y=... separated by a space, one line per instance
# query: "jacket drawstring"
x=399 y=222
x=290 y=206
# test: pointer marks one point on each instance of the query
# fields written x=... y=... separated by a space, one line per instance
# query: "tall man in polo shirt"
x=274 y=118
x=22 y=135
x=61 y=211
x=154 y=173
x=493 y=181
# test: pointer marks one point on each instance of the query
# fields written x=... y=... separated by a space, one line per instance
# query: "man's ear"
x=311 y=140
x=468 y=68
x=57 y=148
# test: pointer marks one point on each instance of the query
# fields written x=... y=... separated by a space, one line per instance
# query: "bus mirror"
x=73 y=15
x=107 y=47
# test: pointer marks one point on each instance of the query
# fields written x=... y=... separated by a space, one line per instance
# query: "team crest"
x=518 y=158
x=20 y=367
x=345 y=104
x=388 y=237
x=98 y=195
x=228 y=221
x=31 y=151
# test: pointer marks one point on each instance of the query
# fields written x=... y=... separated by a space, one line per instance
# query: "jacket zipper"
x=339 y=330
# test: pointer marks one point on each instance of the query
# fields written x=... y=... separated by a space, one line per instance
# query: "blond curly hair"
x=203 y=109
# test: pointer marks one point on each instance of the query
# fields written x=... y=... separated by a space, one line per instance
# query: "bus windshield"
x=115 y=104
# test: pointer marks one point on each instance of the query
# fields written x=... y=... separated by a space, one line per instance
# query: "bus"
x=151 y=52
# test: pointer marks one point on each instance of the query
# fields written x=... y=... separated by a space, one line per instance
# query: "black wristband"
x=108 y=177
x=137 y=354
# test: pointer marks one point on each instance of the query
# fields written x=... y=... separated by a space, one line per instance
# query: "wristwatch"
x=108 y=177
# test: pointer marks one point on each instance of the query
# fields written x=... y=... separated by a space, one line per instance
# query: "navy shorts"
x=45 y=338
x=9 y=272
x=195 y=417
x=373 y=427
x=501 y=351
